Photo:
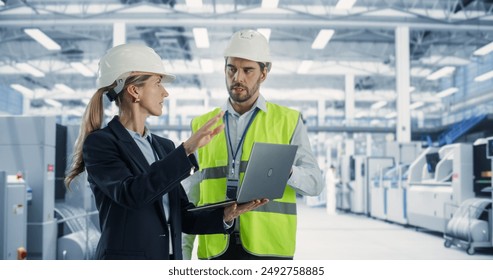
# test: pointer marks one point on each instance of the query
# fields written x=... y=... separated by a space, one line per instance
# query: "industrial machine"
x=439 y=177
x=471 y=224
x=395 y=186
x=37 y=148
x=373 y=192
x=13 y=217
x=343 y=188
x=357 y=184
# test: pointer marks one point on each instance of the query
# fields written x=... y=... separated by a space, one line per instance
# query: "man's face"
x=243 y=78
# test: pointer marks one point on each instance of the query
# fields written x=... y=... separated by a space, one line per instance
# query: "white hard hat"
x=128 y=58
x=251 y=45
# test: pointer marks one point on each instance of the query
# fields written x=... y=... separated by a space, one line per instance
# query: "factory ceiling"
x=362 y=47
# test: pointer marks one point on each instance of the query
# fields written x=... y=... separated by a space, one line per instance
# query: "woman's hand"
x=233 y=211
x=204 y=135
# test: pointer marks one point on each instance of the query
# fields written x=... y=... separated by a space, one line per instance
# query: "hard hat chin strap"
x=112 y=94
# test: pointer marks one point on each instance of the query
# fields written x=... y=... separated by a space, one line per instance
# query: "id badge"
x=231 y=188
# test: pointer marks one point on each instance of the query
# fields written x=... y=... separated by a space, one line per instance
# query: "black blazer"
x=128 y=193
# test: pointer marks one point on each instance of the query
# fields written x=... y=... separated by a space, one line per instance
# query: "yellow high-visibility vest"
x=269 y=230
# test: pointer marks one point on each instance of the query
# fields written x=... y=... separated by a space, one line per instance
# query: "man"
x=269 y=232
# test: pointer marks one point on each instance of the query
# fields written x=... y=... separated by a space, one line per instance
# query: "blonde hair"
x=93 y=119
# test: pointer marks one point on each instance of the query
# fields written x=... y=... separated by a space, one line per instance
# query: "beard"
x=245 y=95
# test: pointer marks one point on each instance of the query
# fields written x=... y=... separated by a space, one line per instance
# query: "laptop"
x=266 y=175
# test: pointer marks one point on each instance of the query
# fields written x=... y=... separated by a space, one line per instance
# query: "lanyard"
x=233 y=152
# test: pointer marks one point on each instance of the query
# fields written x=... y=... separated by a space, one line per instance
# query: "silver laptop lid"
x=267 y=172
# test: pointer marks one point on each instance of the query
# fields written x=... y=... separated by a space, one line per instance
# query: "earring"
x=137 y=100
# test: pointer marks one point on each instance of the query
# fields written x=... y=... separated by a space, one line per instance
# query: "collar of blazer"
x=126 y=140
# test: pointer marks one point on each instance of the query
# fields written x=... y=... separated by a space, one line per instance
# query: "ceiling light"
x=64 y=88
x=484 y=77
x=2 y=3
x=322 y=39
x=484 y=50
x=379 y=104
x=391 y=115
x=201 y=37
x=194 y=3
x=270 y=4
x=79 y=66
x=345 y=4
x=207 y=65
x=43 y=39
x=361 y=114
x=53 y=103
x=416 y=105
x=305 y=66
x=265 y=32
x=24 y=90
x=440 y=73
x=447 y=92
x=30 y=69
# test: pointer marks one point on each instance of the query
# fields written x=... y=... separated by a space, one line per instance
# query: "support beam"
x=402 y=82
x=245 y=19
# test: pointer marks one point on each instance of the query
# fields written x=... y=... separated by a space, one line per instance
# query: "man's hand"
x=233 y=211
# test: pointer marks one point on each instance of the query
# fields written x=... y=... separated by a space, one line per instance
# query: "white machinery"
x=396 y=194
x=388 y=195
x=378 y=206
x=437 y=179
x=37 y=147
x=357 y=185
x=29 y=147
x=373 y=191
x=394 y=180
x=343 y=188
x=13 y=217
x=471 y=224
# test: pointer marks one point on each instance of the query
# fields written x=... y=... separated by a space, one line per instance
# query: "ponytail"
x=91 y=121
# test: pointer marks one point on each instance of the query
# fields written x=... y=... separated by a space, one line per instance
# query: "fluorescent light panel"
x=416 y=105
x=43 y=39
x=305 y=66
x=53 y=103
x=361 y=114
x=484 y=50
x=345 y=4
x=440 y=73
x=2 y=3
x=378 y=105
x=22 y=89
x=194 y=3
x=391 y=115
x=30 y=69
x=270 y=4
x=79 y=66
x=265 y=32
x=447 y=92
x=484 y=77
x=322 y=39
x=64 y=88
x=201 y=37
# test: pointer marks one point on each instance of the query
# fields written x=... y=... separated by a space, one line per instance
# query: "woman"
x=135 y=176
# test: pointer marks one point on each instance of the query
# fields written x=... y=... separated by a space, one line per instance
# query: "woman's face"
x=152 y=96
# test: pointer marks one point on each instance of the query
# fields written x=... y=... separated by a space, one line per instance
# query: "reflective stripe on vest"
x=269 y=230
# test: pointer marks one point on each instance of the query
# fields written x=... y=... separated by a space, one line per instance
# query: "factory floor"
x=346 y=236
